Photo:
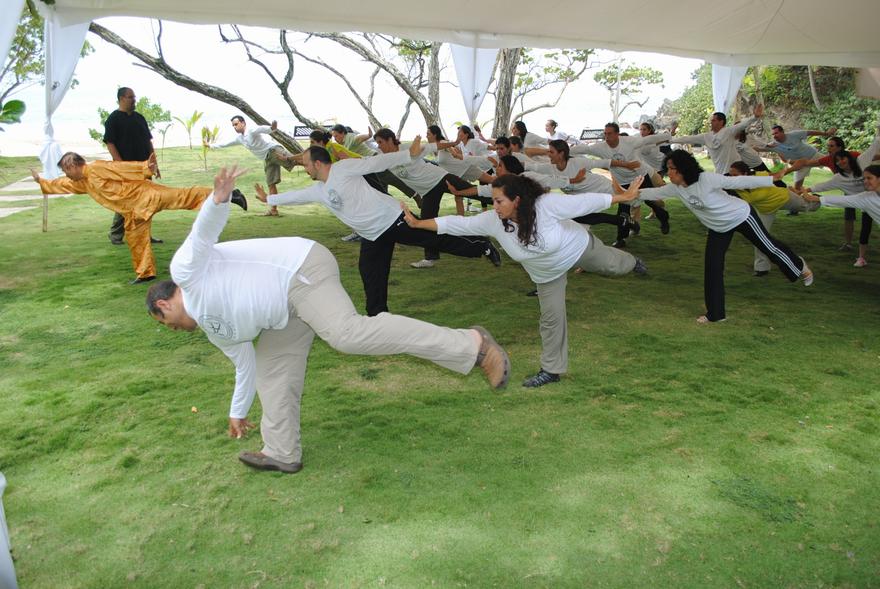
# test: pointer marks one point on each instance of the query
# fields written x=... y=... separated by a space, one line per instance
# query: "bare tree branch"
x=399 y=78
x=161 y=67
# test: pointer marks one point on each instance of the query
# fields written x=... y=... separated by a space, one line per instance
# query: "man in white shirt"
x=267 y=151
x=621 y=149
x=720 y=141
x=374 y=215
x=284 y=291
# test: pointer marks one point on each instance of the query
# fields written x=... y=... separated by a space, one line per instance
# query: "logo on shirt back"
x=217 y=326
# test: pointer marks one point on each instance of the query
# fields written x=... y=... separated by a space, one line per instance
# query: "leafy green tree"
x=631 y=81
x=190 y=124
x=153 y=113
x=694 y=107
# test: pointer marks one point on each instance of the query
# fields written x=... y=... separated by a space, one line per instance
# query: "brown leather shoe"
x=260 y=461
x=492 y=360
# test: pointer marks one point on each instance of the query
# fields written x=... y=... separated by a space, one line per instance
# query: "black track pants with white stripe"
x=716 y=248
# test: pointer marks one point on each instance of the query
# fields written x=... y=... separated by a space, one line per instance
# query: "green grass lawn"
x=741 y=454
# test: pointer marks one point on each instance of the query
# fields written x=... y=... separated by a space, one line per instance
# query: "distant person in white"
x=267 y=151
x=720 y=141
x=284 y=291
x=868 y=201
x=374 y=215
x=553 y=132
x=621 y=148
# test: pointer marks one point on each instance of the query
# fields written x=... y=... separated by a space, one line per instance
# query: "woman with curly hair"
x=535 y=228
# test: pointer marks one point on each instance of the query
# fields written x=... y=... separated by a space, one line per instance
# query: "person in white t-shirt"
x=428 y=180
x=283 y=291
x=720 y=140
x=553 y=132
x=703 y=193
x=536 y=229
x=273 y=156
x=617 y=147
x=374 y=215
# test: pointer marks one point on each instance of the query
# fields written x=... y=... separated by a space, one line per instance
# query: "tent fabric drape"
x=9 y=23
x=726 y=32
x=63 y=44
x=474 y=70
x=726 y=81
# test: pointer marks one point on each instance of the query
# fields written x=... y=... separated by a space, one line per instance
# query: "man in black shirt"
x=128 y=139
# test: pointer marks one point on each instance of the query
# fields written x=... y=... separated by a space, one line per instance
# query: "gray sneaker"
x=352 y=237
x=640 y=268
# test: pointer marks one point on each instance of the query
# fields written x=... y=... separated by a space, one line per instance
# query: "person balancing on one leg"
x=285 y=290
x=125 y=188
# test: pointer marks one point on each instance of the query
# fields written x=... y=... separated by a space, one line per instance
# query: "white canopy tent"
x=731 y=34
x=724 y=32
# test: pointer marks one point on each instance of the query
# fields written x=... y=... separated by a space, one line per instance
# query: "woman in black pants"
x=722 y=214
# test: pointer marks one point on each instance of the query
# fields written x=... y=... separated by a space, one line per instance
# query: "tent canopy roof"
x=726 y=32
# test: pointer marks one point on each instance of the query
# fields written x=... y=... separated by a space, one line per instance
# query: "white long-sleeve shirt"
x=235 y=290
x=548 y=181
x=418 y=174
x=707 y=200
x=590 y=183
x=721 y=145
x=560 y=241
x=747 y=154
x=348 y=196
x=468 y=169
x=867 y=201
x=254 y=141
x=626 y=150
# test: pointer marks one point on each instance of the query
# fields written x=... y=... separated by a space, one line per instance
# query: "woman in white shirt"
x=849 y=179
x=868 y=201
x=722 y=214
x=536 y=230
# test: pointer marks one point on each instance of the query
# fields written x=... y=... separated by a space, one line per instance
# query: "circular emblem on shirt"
x=217 y=326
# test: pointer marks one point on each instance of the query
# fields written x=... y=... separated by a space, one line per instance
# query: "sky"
x=198 y=52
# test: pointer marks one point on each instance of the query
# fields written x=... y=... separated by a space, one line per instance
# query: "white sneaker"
x=806 y=274
x=352 y=237
x=860 y=263
x=423 y=264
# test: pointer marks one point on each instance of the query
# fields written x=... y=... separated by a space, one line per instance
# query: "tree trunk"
x=813 y=91
x=434 y=83
x=508 y=60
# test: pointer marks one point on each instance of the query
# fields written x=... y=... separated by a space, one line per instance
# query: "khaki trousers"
x=318 y=304
x=597 y=258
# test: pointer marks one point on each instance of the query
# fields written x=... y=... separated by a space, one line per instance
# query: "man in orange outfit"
x=125 y=188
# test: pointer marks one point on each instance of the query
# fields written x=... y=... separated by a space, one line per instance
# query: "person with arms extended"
x=283 y=291
x=125 y=188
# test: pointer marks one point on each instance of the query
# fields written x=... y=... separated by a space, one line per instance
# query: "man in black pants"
x=424 y=179
x=375 y=216
x=128 y=139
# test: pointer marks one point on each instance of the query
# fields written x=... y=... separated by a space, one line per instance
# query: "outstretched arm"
x=426 y=224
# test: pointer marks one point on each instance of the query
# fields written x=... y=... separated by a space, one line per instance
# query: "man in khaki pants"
x=285 y=290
